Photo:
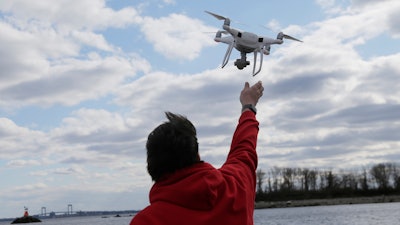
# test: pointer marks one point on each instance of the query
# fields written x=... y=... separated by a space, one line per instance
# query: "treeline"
x=283 y=184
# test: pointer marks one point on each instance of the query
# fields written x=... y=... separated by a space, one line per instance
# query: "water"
x=83 y=220
x=362 y=214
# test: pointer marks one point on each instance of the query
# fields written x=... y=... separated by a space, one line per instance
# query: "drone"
x=246 y=42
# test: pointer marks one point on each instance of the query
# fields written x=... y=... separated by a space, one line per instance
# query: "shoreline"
x=324 y=202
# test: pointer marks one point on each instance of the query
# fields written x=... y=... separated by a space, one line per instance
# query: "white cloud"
x=177 y=36
x=169 y=2
x=70 y=81
x=92 y=39
x=326 y=3
x=394 y=22
x=20 y=142
x=43 y=60
x=71 y=14
x=368 y=3
x=22 y=163
x=69 y=171
x=274 y=25
x=30 y=187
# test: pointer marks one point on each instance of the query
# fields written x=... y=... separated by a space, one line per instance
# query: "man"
x=188 y=191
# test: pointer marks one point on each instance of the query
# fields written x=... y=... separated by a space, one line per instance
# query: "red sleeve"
x=242 y=157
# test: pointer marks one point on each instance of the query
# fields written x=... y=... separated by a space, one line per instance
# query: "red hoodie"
x=201 y=194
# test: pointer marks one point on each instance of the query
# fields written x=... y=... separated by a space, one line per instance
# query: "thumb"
x=246 y=85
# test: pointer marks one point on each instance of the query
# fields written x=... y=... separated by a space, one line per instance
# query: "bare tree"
x=381 y=175
x=364 y=180
x=275 y=175
x=304 y=173
x=396 y=176
x=288 y=175
x=313 y=175
x=347 y=180
x=260 y=180
x=308 y=179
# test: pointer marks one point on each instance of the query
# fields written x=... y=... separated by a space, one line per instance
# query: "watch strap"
x=251 y=107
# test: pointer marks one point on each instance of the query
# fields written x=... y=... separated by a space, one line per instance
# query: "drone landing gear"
x=242 y=63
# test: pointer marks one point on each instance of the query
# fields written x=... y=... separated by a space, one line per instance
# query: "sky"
x=83 y=82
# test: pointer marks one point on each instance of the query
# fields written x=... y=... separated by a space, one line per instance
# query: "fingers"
x=258 y=88
x=258 y=85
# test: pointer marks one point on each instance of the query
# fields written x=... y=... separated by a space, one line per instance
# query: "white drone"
x=246 y=42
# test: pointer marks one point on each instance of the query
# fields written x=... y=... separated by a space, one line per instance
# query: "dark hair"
x=171 y=146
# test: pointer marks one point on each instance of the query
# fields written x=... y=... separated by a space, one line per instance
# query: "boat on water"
x=26 y=218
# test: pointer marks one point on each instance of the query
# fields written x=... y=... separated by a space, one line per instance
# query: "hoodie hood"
x=196 y=187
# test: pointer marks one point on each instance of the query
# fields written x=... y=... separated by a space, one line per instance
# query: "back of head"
x=171 y=146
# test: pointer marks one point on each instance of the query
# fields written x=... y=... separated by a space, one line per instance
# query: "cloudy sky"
x=83 y=82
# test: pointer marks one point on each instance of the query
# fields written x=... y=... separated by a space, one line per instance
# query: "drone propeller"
x=216 y=15
x=213 y=32
x=291 y=38
x=282 y=35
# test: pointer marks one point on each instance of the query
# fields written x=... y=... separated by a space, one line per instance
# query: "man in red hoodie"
x=188 y=191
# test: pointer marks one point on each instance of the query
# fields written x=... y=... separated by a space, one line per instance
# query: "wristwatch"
x=251 y=107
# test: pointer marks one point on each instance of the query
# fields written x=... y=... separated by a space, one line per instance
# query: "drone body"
x=245 y=42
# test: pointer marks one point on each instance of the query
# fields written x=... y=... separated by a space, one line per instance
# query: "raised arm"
x=242 y=157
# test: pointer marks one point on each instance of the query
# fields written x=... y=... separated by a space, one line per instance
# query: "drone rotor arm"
x=227 y=40
x=226 y=20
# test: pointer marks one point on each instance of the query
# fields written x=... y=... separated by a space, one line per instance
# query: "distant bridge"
x=70 y=212
x=43 y=212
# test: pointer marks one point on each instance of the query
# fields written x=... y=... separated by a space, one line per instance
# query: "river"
x=360 y=214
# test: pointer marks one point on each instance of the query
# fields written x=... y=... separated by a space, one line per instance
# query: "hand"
x=250 y=95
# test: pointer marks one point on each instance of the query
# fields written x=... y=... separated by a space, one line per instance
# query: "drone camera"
x=240 y=64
